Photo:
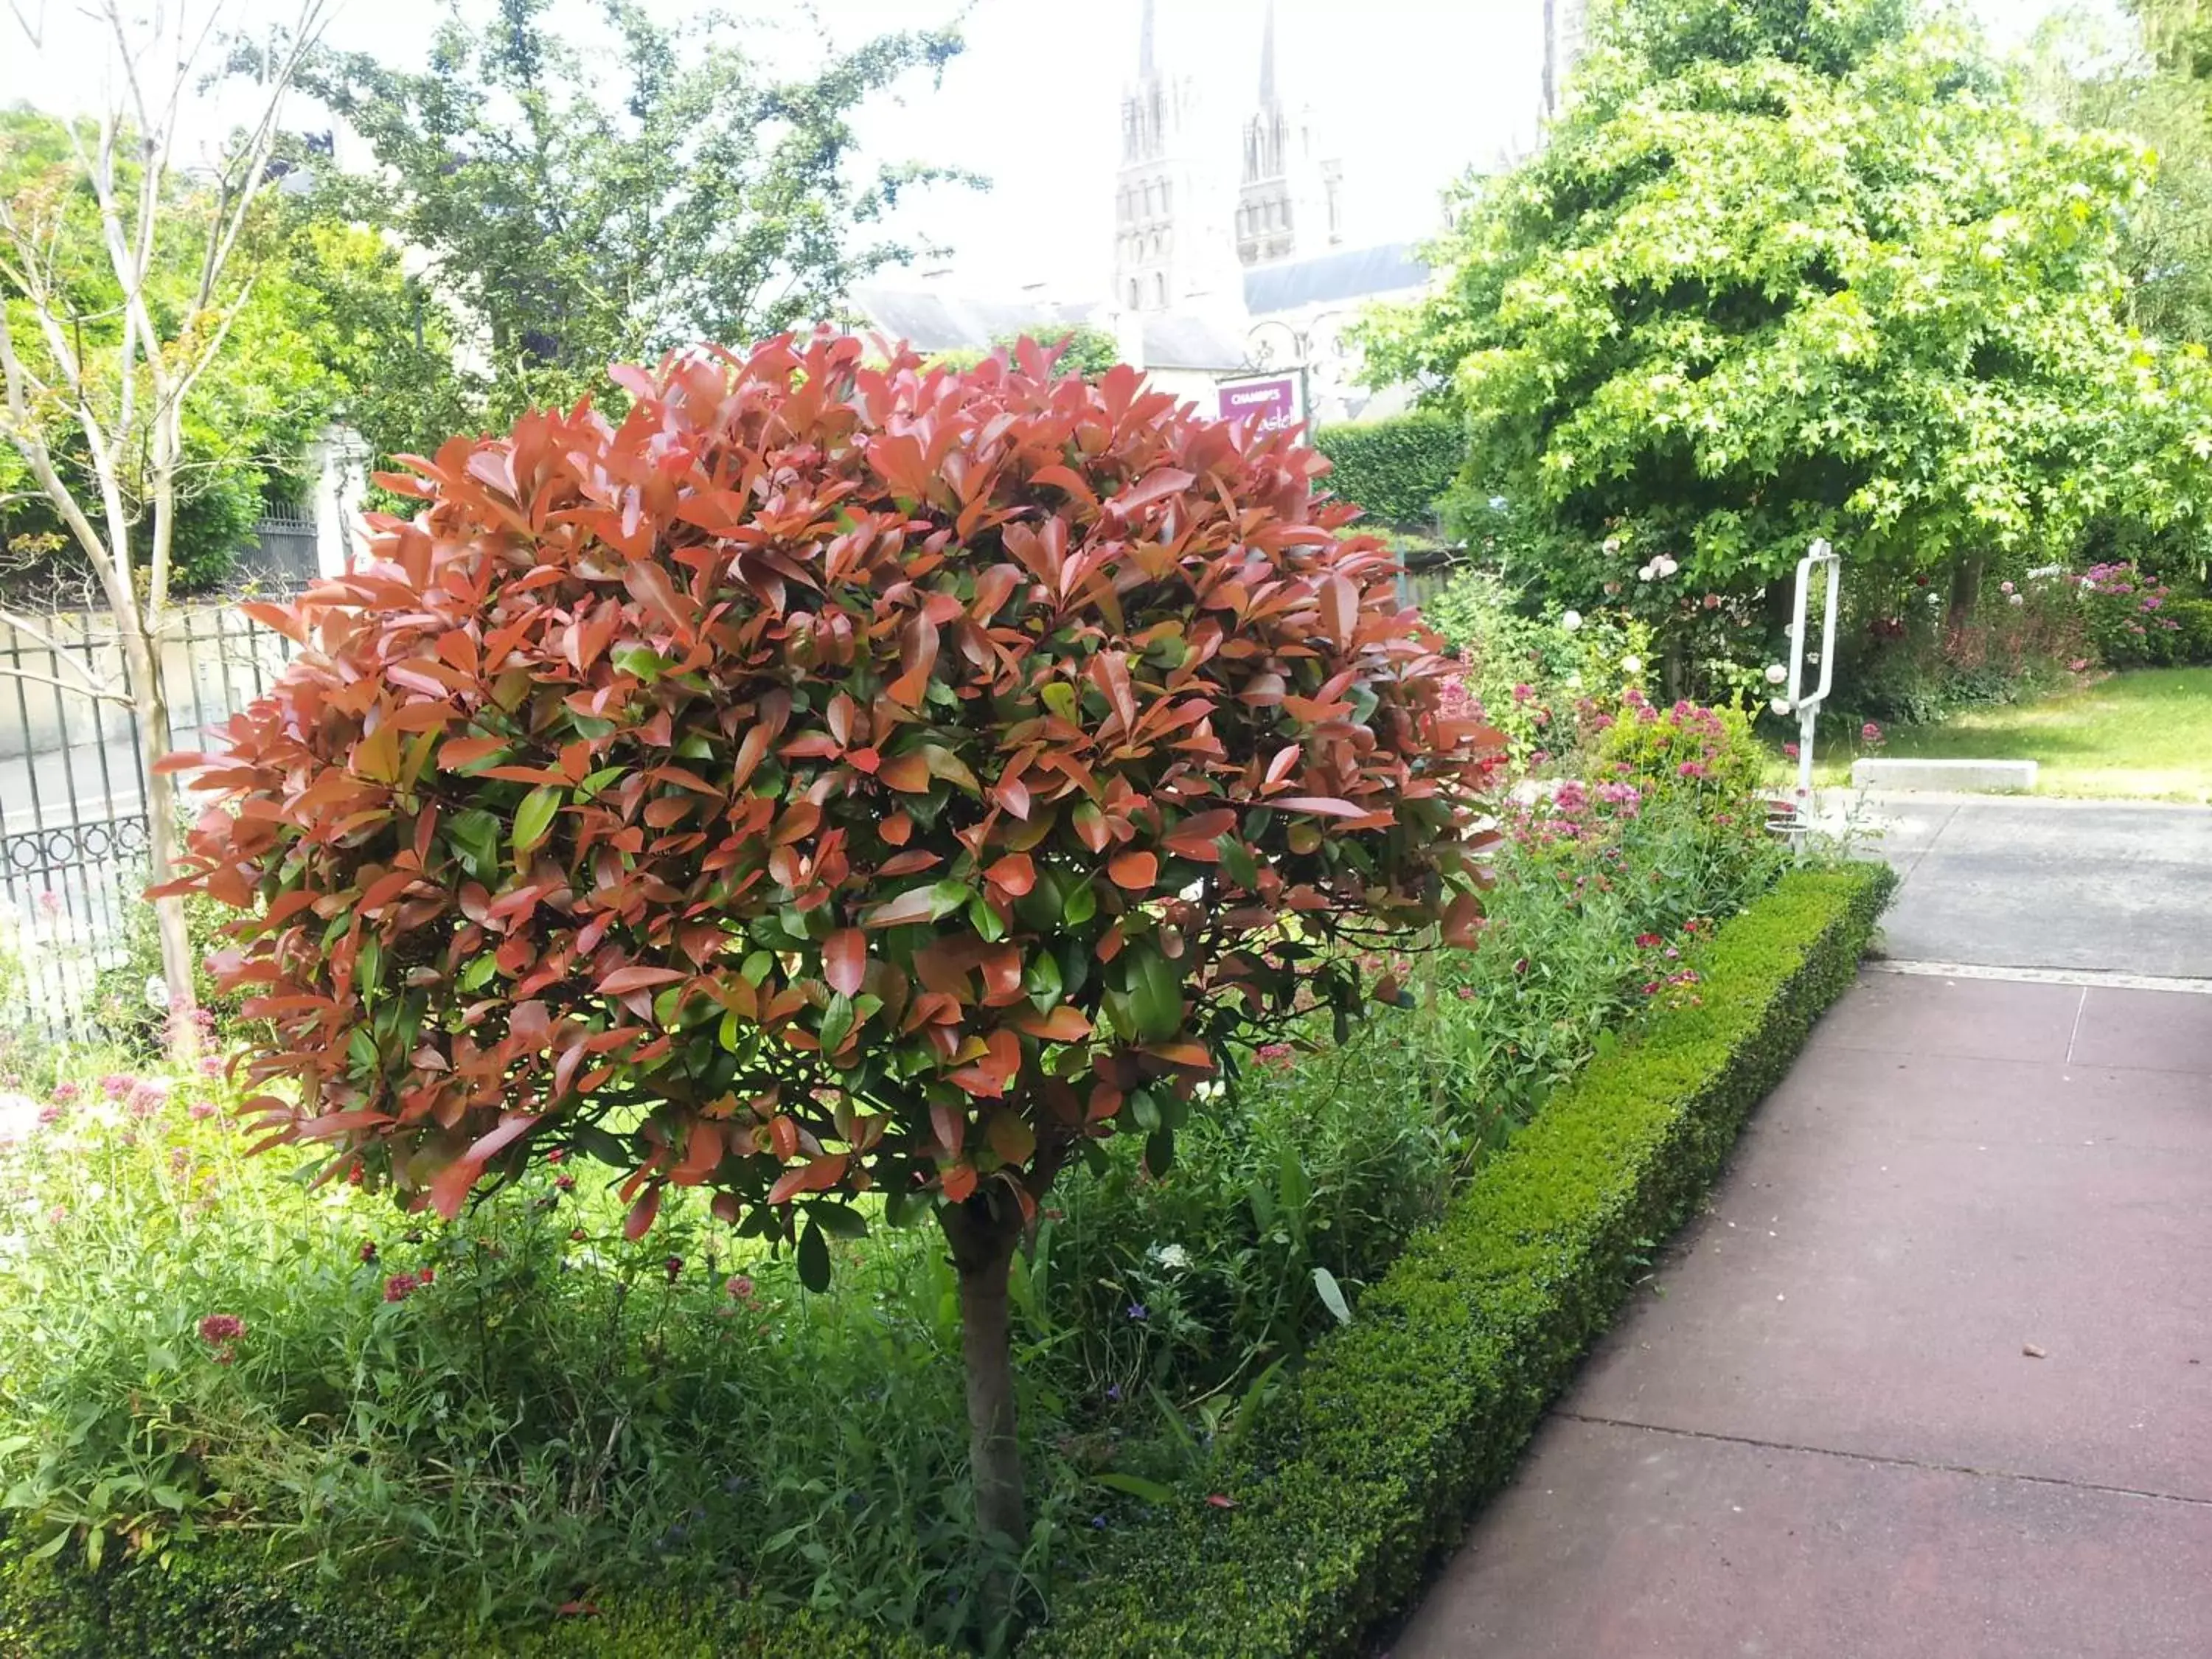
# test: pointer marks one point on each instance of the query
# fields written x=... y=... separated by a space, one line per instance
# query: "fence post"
x=339 y=458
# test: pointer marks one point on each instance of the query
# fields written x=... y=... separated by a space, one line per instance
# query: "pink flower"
x=64 y=1093
x=1275 y=1055
x=1647 y=941
x=400 y=1287
x=218 y=1328
x=1522 y=693
x=738 y=1285
x=116 y=1084
x=201 y=1110
x=1791 y=750
x=210 y=1065
x=1870 y=733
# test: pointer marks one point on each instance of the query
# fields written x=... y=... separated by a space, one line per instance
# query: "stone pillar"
x=339 y=462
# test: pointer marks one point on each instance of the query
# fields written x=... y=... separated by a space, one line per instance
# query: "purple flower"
x=1138 y=1310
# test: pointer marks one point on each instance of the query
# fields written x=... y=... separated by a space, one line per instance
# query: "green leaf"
x=535 y=816
x=595 y=782
x=474 y=836
x=1078 y=904
x=479 y=973
x=641 y=661
x=813 y=1258
x=836 y=1023
x=1332 y=1295
x=1137 y=1486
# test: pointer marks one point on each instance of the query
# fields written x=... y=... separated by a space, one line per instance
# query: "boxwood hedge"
x=1405 y=1420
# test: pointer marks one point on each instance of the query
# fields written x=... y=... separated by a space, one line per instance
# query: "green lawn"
x=2146 y=735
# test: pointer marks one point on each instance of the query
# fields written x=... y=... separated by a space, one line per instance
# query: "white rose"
x=1570 y=620
x=1665 y=566
x=1779 y=705
x=2016 y=599
x=1776 y=673
x=1934 y=598
x=1643 y=575
x=1612 y=544
x=1574 y=682
x=1631 y=665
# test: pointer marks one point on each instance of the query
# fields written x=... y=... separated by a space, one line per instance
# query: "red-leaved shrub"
x=827 y=777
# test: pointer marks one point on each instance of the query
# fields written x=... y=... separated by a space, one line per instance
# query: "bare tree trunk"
x=1967 y=588
x=150 y=708
x=982 y=1241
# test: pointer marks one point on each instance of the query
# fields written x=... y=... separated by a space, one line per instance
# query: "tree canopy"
x=1794 y=269
x=579 y=202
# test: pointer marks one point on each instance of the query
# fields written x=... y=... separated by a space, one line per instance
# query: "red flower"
x=400 y=1287
x=218 y=1328
x=368 y=1249
x=673 y=1268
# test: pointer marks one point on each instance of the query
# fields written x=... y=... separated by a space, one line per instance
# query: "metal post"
x=1808 y=706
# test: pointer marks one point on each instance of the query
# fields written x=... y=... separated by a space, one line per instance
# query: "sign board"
x=1271 y=404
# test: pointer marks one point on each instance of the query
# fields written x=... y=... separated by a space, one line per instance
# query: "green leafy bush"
x=1421 y=1406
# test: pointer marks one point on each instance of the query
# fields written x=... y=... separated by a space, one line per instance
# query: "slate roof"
x=1349 y=273
x=931 y=320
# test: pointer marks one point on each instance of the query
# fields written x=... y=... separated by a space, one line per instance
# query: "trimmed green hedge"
x=217 y=1606
x=1421 y=1409
x=1394 y=469
x=1362 y=1471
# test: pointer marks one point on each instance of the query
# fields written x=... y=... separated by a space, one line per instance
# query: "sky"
x=1411 y=93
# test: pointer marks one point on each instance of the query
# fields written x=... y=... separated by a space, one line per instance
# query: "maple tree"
x=833 y=777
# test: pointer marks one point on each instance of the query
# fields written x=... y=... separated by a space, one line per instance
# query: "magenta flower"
x=218 y=1328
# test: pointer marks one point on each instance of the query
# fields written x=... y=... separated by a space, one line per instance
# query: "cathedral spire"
x=1267 y=57
x=1145 y=44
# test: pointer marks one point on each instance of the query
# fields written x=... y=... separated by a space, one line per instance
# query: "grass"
x=2146 y=735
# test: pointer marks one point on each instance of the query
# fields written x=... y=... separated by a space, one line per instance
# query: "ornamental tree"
x=831 y=778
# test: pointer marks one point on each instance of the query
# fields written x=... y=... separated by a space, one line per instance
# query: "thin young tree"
x=110 y=390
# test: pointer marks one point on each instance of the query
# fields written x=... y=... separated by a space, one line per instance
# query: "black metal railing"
x=72 y=822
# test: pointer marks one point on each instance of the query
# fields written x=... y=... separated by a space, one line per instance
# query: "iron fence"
x=73 y=822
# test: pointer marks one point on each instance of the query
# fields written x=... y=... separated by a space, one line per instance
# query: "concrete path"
x=2120 y=886
x=1933 y=1377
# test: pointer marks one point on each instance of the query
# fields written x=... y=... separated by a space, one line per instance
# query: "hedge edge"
x=1404 y=1421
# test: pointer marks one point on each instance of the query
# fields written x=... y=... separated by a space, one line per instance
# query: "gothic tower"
x=1168 y=229
x=1289 y=199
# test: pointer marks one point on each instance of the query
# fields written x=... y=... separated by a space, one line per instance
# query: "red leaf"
x=1156 y=485
x=623 y=981
x=1137 y=872
x=845 y=960
x=1014 y=873
x=639 y=1222
x=1328 y=806
x=959 y=1183
x=1340 y=608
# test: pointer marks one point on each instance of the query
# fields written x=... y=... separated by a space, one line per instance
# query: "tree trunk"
x=1966 y=588
x=150 y=708
x=982 y=1241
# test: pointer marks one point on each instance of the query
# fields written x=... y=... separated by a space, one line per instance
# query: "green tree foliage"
x=1794 y=269
x=592 y=200
x=247 y=418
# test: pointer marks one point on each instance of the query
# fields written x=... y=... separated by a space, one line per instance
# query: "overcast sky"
x=1411 y=93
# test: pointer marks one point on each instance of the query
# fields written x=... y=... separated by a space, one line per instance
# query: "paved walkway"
x=1933 y=1378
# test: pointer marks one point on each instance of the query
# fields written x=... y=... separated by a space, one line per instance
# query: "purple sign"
x=1270 y=404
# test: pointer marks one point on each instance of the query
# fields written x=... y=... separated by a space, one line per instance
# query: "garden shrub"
x=1421 y=1406
x=1395 y=470
x=834 y=778
x=2135 y=621
x=1685 y=749
x=1533 y=676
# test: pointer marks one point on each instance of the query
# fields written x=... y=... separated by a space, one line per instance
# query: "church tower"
x=1168 y=234
x=1289 y=199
